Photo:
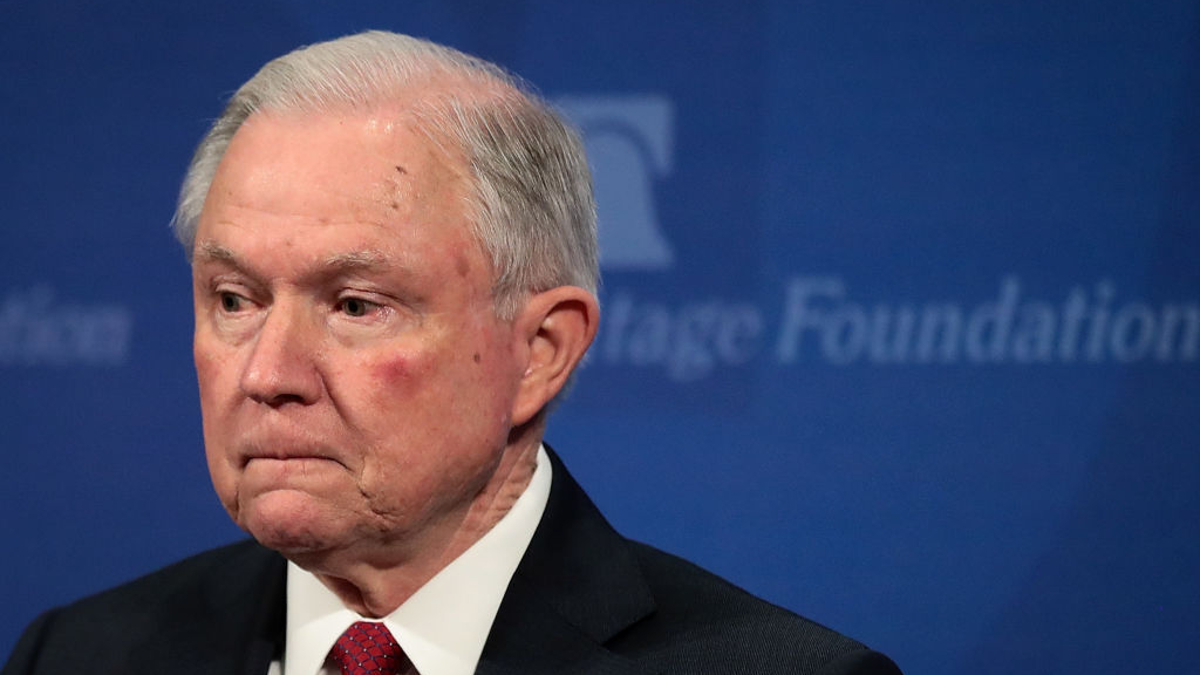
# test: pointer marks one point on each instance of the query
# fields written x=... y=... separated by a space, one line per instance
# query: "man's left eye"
x=231 y=302
x=357 y=306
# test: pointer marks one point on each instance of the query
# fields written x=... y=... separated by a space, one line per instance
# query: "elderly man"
x=394 y=265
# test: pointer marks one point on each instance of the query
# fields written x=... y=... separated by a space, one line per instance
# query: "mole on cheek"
x=477 y=357
x=461 y=265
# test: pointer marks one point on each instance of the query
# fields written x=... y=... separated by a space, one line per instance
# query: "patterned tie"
x=368 y=648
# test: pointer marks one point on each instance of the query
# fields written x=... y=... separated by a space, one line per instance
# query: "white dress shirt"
x=441 y=627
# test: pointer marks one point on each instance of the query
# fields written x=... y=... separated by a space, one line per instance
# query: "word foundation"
x=1085 y=326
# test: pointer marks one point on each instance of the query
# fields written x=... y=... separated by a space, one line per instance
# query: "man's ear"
x=557 y=327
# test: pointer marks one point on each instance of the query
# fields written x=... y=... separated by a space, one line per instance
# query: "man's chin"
x=289 y=522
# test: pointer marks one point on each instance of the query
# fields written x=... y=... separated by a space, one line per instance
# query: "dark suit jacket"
x=583 y=600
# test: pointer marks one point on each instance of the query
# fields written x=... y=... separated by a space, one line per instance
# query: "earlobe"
x=558 y=326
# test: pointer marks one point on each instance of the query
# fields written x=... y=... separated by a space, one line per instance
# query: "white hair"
x=531 y=203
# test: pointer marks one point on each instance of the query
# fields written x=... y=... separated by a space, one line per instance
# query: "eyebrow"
x=211 y=251
x=365 y=260
x=357 y=260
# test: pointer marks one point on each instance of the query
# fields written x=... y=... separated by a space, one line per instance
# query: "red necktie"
x=368 y=648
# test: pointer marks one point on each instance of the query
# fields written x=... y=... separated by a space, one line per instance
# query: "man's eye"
x=231 y=302
x=357 y=306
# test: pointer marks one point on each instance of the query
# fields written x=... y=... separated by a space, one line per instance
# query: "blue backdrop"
x=902 y=303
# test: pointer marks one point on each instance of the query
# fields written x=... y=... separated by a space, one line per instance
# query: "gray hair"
x=531 y=204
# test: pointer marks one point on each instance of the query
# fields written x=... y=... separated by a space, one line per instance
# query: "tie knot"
x=368 y=648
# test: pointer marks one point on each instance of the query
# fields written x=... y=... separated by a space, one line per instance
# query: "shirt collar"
x=443 y=626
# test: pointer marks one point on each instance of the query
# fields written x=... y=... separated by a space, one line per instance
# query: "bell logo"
x=629 y=141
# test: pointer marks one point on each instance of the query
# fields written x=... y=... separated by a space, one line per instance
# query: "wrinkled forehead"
x=354 y=163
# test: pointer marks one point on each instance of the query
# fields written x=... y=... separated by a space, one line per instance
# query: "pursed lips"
x=283 y=452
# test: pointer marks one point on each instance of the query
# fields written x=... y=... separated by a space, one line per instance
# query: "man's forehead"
x=361 y=165
x=320 y=264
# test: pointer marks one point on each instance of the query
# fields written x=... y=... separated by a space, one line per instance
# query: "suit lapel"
x=531 y=637
x=577 y=586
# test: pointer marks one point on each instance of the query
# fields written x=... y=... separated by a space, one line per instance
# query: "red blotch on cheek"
x=403 y=370
x=394 y=370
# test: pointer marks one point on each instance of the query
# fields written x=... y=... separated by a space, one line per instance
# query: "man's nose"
x=282 y=364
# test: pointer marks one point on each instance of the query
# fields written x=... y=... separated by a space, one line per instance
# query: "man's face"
x=355 y=383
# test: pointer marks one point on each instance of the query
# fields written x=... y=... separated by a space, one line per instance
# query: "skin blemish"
x=462 y=265
x=476 y=358
x=395 y=205
x=394 y=370
x=401 y=170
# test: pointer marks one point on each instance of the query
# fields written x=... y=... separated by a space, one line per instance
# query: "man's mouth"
x=282 y=451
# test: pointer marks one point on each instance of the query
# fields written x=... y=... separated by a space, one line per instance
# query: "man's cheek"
x=399 y=372
x=209 y=369
x=221 y=469
x=403 y=388
x=392 y=371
